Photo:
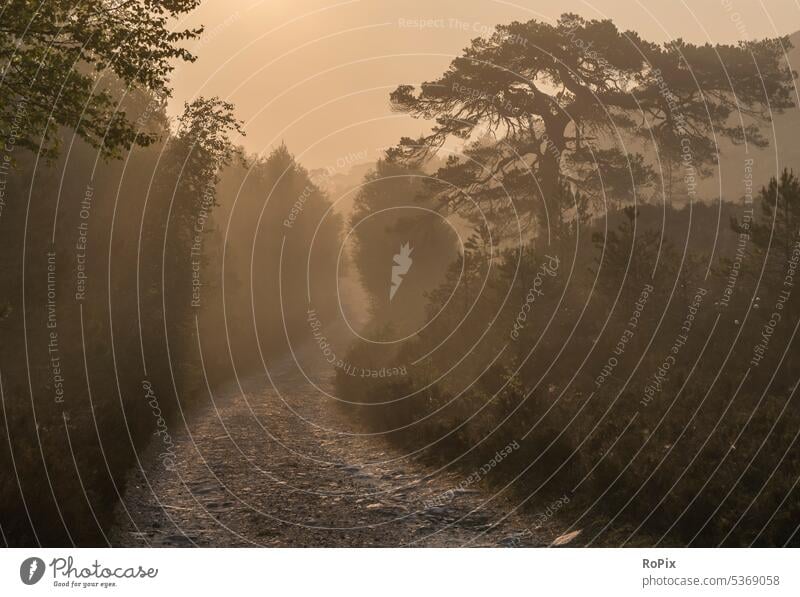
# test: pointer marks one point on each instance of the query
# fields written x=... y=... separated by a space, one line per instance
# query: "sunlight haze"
x=317 y=73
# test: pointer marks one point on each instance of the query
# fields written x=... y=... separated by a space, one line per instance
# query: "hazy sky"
x=317 y=73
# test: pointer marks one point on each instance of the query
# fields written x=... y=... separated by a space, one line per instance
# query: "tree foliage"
x=566 y=100
x=56 y=58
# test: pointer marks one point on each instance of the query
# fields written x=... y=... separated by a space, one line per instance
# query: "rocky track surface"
x=265 y=463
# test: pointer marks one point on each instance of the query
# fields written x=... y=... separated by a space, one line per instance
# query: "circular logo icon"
x=31 y=570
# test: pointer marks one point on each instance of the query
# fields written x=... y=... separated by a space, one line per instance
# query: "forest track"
x=255 y=467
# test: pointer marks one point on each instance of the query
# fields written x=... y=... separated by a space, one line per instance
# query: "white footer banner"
x=400 y=572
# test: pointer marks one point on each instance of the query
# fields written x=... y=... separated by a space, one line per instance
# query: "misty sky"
x=317 y=73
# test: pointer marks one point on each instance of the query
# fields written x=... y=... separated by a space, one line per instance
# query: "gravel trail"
x=266 y=464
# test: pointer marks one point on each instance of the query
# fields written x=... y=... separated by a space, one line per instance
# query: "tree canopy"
x=53 y=56
x=566 y=100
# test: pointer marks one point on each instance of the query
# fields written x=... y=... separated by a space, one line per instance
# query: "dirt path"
x=257 y=468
